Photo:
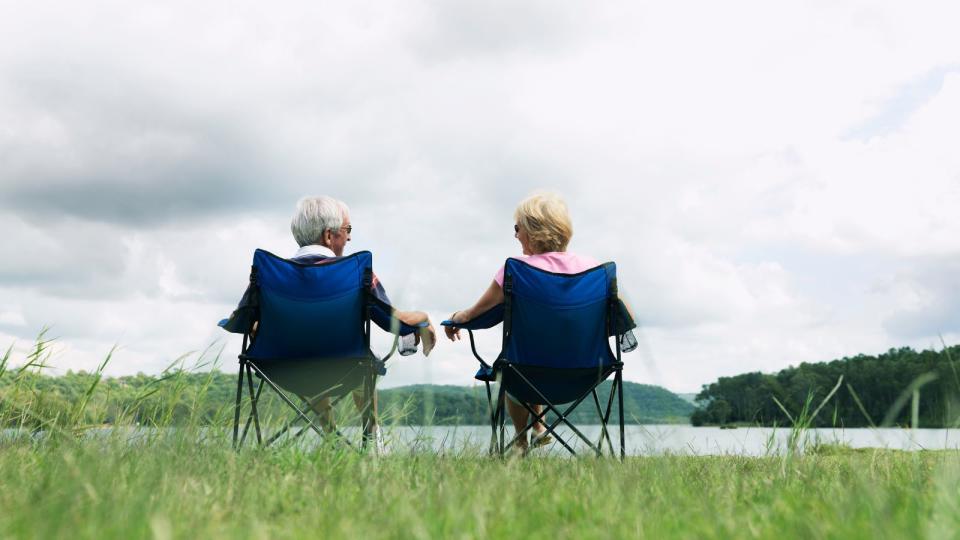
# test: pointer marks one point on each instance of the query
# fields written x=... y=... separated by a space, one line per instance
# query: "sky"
x=778 y=182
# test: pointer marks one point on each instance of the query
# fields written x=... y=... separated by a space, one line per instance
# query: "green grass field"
x=60 y=479
x=175 y=489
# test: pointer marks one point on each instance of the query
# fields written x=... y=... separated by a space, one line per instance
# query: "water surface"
x=641 y=440
x=688 y=440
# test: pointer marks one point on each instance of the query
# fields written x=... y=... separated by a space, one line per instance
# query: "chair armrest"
x=248 y=310
x=487 y=319
x=381 y=313
x=486 y=374
x=240 y=322
x=622 y=328
x=622 y=322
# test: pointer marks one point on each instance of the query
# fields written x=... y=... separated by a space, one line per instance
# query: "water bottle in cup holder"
x=407 y=345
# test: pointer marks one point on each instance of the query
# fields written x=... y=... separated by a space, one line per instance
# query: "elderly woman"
x=543 y=229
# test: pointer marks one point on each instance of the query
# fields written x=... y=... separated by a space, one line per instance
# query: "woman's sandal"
x=536 y=441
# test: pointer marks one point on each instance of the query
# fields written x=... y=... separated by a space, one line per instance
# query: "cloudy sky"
x=779 y=182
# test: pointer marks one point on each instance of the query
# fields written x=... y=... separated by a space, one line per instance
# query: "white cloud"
x=706 y=148
x=12 y=317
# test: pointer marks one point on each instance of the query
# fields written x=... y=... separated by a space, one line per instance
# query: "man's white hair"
x=315 y=215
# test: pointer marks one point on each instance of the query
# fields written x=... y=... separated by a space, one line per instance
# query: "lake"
x=647 y=440
x=687 y=440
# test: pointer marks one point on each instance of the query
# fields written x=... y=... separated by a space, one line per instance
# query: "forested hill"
x=883 y=385
x=643 y=404
x=208 y=397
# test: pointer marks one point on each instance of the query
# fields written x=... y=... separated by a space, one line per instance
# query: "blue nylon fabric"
x=487 y=319
x=485 y=373
x=557 y=320
x=311 y=281
x=558 y=386
x=310 y=311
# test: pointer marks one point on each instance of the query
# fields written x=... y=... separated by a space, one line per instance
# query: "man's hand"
x=429 y=337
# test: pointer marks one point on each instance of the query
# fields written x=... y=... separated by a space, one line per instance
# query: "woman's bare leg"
x=540 y=428
x=521 y=416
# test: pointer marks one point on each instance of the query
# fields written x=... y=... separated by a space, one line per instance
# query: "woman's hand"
x=453 y=333
x=491 y=297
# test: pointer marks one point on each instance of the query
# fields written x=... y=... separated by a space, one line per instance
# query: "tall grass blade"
x=826 y=399
x=953 y=368
x=5 y=360
x=905 y=396
x=915 y=410
x=784 y=409
x=856 y=399
x=77 y=419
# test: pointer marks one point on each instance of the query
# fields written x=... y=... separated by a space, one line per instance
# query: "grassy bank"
x=172 y=488
x=61 y=479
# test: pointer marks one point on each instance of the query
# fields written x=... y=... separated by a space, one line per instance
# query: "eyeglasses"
x=348 y=228
x=516 y=229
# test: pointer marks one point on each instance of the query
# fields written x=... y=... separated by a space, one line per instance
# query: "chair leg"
x=273 y=438
x=540 y=417
x=603 y=424
x=623 y=443
x=254 y=413
x=236 y=412
x=253 y=405
x=501 y=418
x=300 y=414
x=491 y=411
x=308 y=406
x=606 y=418
x=368 y=415
x=561 y=417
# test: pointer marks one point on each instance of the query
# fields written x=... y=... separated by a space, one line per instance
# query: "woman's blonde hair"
x=547 y=221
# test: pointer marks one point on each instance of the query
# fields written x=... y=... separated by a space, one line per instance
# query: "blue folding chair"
x=555 y=349
x=306 y=331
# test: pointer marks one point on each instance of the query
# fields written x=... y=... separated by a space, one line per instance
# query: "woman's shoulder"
x=562 y=261
x=571 y=256
x=583 y=262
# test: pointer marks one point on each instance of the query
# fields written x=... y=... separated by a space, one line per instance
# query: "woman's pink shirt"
x=561 y=262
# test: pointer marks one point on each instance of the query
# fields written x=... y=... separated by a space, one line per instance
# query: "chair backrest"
x=557 y=320
x=310 y=311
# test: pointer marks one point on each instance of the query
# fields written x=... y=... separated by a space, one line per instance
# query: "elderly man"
x=321 y=226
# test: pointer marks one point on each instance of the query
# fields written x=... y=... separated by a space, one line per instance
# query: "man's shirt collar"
x=314 y=250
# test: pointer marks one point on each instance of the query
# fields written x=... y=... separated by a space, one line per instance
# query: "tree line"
x=887 y=389
x=178 y=397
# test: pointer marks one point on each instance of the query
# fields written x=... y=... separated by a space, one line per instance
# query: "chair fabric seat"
x=557 y=385
x=309 y=377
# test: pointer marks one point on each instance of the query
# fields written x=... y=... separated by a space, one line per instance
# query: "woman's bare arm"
x=490 y=298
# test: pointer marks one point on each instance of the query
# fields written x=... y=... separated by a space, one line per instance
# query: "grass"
x=172 y=489
x=58 y=478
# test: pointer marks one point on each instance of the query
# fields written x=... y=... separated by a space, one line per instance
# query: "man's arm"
x=410 y=318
